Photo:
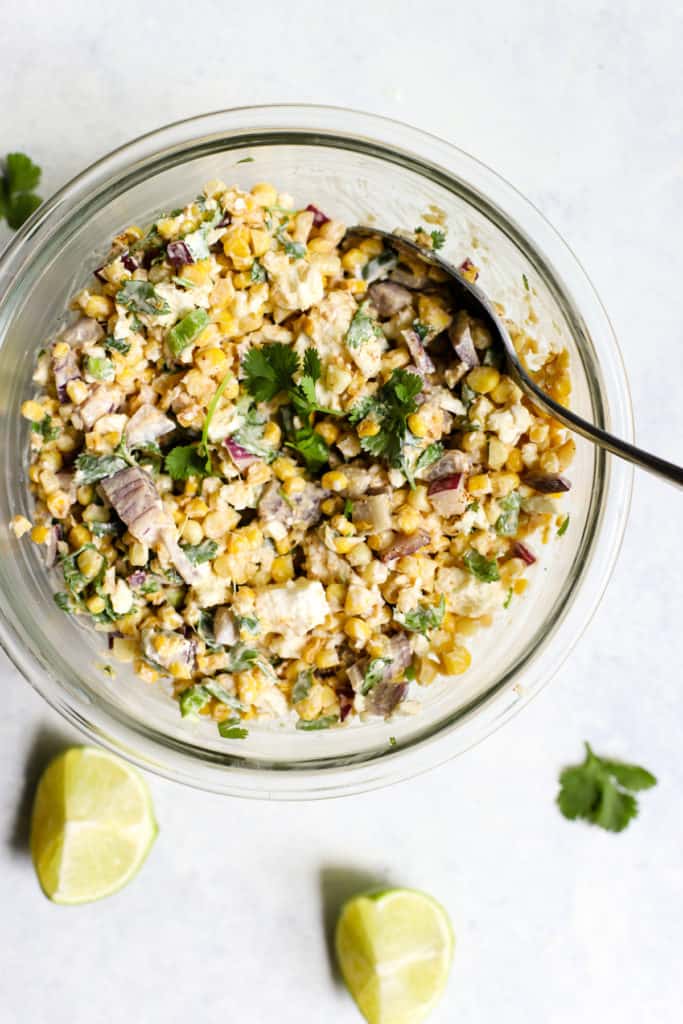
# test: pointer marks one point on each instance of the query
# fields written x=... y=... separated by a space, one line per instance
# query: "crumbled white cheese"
x=510 y=424
x=294 y=284
x=297 y=606
x=466 y=595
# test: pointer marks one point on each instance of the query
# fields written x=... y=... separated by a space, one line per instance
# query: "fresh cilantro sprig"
x=424 y=618
x=507 y=523
x=362 y=328
x=202 y=552
x=18 y=182
x=188 y=460
x=600 y=791
x=390 y=408
x=482 y=568
x=437 y=236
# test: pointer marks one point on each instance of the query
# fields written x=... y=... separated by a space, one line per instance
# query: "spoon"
x=477 y=304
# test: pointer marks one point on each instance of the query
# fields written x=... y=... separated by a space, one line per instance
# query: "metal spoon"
x=475 y=302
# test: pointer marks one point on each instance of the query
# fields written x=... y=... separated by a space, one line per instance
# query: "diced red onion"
x=405 y=544
x=451 y=462
x=445 y=483
x=385 y=697
x=546 y=483
x=97 y=272
x=467 y=266
x=179 y=254
x=319 y=218
x=239 y=455
x=417 y=351
x=225 y=220
x=523 y=552
x=137 y=578
x=447 y=495
x=129 y=262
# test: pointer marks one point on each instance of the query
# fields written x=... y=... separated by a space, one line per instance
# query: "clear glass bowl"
x=357 y=167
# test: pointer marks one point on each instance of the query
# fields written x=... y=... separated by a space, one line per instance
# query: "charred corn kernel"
x=79 y=536
x=328 y=431
x=368 y=428
x=77 y=391
x=198 y=272
x=58 y=504
x=196 y=509
x=342 y=525
x=216 y=524
x=371 y=246
x=39 y=534
x=479 y=484
x=32 y=411
x=498 y=453
x=272 y=434
x=329 y=506
x=51 y=460
x=260 y=241
x=519 y=586
x=334 y=480
x=427 y=671
x=342 y=545
x=95 y=604
x=359 y=556
x=284 y=468
x=146 y=672
x=99 y=307
x=264 y=194
x=359 y=600
x=326 y=658
x=418 y=424
x=282 y=568
x=293 y=485
x=538 y=433
x=192 y=532
x=432 y=312
x=408 y=519
x=353 y=259
x=253 y=535
x=356 y=629
x=503 y=483
x=89 y=563
x=483 y=379
x=514 y=461
x=455 y=661
x=549 y=462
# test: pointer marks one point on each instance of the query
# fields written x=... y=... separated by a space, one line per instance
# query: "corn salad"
x=281 y=469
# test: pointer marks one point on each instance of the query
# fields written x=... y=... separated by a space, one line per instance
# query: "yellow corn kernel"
x=503 y=483
x=327 y=657
x=283 y=546
x=146 y=672
x=519 y=586
x=77 y=391
x=359 y=600
x=293 y=485
x=483 y=379
x=565 y=453
x=79 y=536
x=34 y=473
x=260 y=241
x=538 y=433
x=66 y=443
x=418 y=498
x=223 y=566
x=198 y=272
x=272 y=434
x=354 y=285
x=284 y=468
x=32 y=411
x=216 y=524
x=369 y=428
x=342 y=525
x=99 y=307
x=180 y=670
x=356 y=629
x=343 y=545
x=498 y=453
x=138 y=553
x=209 y=359
x=258 y=473
x=237 y=544
x=418 y=424
x=456 y=661
x=334 y=592
x=408 y=519
x=95 y=604
x=330 y=505
x=241 y=280
x=432 y=312
x=371 y=246
x=334 y=480
x=427 y=672
x=60 y=350
x=282 y=568
x=20 y=525
x=96 y=514
x=353 y=259
x=549 y=462
x=89 y=563
x=264 y=194
x=196 y=509
x=395 y=359
x=39 y=534
x=514 y=461
x=479 y=484
x=253 y=535
x=359 y=556
x=58 y=504
x=321 y=245
x=328 y=431
x=236 y=245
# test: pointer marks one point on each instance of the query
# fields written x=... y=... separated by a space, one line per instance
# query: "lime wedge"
x=395 y=950
x=92 y=826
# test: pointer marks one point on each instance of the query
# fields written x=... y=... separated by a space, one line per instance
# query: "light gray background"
x=579 y=105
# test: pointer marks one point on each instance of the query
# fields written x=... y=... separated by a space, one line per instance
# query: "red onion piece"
x=129 y=262
x=466 y=267
x=447 y=494
x=405 y=544
x=319 y=218
x=225 y=220
x=445 y=483
x=239 y=455
x=417 y=351
x=523 y=552
x=178 y=254
x=545 y=483
x=137 y=578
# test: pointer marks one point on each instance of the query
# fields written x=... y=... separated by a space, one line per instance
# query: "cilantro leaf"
x=203 y=552
x=600 y=791
x=362 y=328
x=46 y=428
x=390 y=407
x=507 y=523
x=184 y=461
x=317 y=723
x=438 y=238
x=311 y=446
x=141 y=297
x=116 y=344
x=422 y=330
x=91 y=468
x=423 y=618
x=19 y=208
x=562 y=529
x=431 y=454
x=269 y=370
x=302 y=686
x=312 y=365
x=258 y=273
x=250 y=434
x=485 y=569
x=20 y=176
x=373 y=674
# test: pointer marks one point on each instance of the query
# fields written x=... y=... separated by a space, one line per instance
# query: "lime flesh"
x=92 y=825
x=395 y=950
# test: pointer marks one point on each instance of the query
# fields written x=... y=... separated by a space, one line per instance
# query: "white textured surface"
x=582 y=109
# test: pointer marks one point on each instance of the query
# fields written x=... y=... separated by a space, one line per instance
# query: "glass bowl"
x=359 y=168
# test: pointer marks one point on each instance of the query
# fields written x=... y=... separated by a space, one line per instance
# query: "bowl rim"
x=172 y=759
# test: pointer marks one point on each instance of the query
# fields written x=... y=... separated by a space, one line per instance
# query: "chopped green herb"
x=422 y=330
x=242 y=658
x=379 y=265
x=73 y=577
x=47 y=430
x=210 y=413
x=245 y=160
x=141 y=297
x=348 y=508
x=390 y=407
x=295 y=249
x=186 y=330
x=311 y=446
x=438 y=238
x=393 y=741
x=91 y=468
x=423 y=618
x=525 y=279
x=269 y=370
x=484 y=569
x=362 y=328
x=203 y=552
x=229 y=730
x=258 y=273
x=116 y=345
x=193 y=700
x=105 y=529
x=467 y=395
x=302 y=686
x=508 y=599
x=250 y=435
x=248 y=622
x=373 y=673
x=507 y=522
x=410 y=674
x=100 y=368
x=431 y=454
x=562 y=528
x=600 y=791
x=184 y=461
x=184 y=282
x=222 y=695
x=66 y=603
x=317 y=723
x=20 y=177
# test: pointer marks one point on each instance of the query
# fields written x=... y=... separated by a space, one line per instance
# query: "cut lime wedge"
x=92 y=827
x=395 y=950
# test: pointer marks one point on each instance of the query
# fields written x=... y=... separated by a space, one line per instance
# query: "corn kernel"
x=32 y=411
x=498 y=453
x=353 y=259
x=359 y=600
x=99 y=307
x=58 y=504
x=342 y=525
x=427 y=672
x=77 y=391
x=418 y=424
x=371 y=246
x=95 y=604
x=326 y=658
x=223 y=566
x=196 y=509
x=216 y=524
x=293 y=485
x=368 y=428
x=260 y=241
x=198 y=272
x=89 y=563
x=79 y=536
x=418 y=498
x=519 y=586
x=264 y=194
x=329 y=506
x=34 y=473
x=359 y=556
x=479 y=484
x=283 y=546
x=284 y=468
x=253 y=535
x=237 y=544
x=39 y=534
x=282 y=568
x=408 y=519
x=138 y=554
x=146 y=672
x=328 y=431
x=342 y=545
x=483 y=379
x=432 y=312
x=272 y=434
x=456 y=661
x=514 y=461
x=356 y=629
x=335 y=480
x=503 y=483
x=192 y=532
x=20 y=525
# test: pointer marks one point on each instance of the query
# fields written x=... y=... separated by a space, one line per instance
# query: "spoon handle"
x=660 y=467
